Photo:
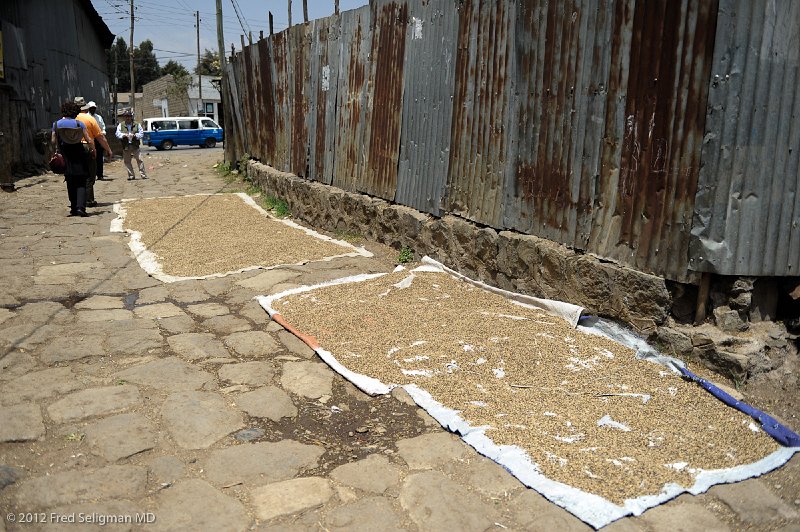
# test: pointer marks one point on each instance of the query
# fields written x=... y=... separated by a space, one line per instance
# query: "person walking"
x=66 y=136
x=131 y=135
x=102 y=124
x=94 y=133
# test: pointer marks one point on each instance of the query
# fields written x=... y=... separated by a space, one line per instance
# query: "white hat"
x=79 y=100
x=90 y=105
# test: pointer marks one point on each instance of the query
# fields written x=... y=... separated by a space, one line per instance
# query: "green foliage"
x=351 y=237
x=209 y=64
x=406 y=255
x=176 y=69
x=145 y=63
x=278 y=206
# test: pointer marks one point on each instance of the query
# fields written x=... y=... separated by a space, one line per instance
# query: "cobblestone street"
x=183 y=406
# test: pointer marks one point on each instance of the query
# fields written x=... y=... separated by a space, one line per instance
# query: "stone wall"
x=160 y=89
x=514 y=261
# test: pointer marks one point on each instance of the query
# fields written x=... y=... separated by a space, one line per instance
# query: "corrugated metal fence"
x=659 y=134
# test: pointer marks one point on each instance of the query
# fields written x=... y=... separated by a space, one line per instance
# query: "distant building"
x=49 y=52
x=167 y=97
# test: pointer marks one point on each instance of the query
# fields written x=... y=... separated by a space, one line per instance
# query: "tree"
x=209 y=64
x=145 y=64
x=174 y=68
x=119 y=54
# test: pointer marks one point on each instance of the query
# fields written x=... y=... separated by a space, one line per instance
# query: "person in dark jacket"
x=66 y=136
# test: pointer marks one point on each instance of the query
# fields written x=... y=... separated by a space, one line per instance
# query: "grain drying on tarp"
x=582 y=406
x=208 y=234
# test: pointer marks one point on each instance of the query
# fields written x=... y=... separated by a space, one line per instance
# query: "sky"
x=170 y=26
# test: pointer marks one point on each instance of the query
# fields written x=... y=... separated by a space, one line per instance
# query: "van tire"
x=167 y=145
x=159 y=147
x=210 y=143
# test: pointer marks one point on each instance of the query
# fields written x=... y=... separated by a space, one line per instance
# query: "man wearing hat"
x=131 y=135
x=96 y=135
x=102 y=124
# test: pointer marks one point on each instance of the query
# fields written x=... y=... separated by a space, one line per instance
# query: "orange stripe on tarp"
x=310 y=341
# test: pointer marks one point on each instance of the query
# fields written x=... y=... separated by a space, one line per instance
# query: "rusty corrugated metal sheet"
x=561 y=72
x=651 y=159
x=322 y=114
x=428 y=81
x=481 y=111
x=266 y=102
x=747 y=211
x=280 y=75
x=299 y=79
x=354 y=53
x=385 y=89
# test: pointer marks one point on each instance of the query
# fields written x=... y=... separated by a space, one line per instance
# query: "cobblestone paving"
x=183 y=406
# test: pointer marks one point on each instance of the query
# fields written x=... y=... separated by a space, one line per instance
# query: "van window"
x=210 y=123
x=158 y=125
x=188 y=124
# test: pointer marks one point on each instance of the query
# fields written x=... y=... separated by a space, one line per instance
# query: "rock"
x=208 y=310
x=269 y=402
x=366 y=515
x=196 y=346
x=307 y=379
x=741 y=302
x=434 y=502
x=295 y=345
x=112 y=482
x=401 y=395
x=261 y=463
x=196 y=420
x=263 y=282
x=252 y=344
x=15 y=364
x=290 y=496
x=374 y=474
x=133 y=342
x=754 y=503
x=98 y=516
x=158 y=311
x=195 y=505
x=534 y=512
x=121 y=436
x=21 y=423
x=226 y=324
x=683 y=517
x=66 y=348
x=729 y=320
x=177 y=324
x=116 y=314
x=93 y=402
x=169 y=374
x=430 y=451
x=188 y=292
x=253 y=373
x=249 y=434
x=152 y=295
x=678 y=343
x=9 y=475
x=100 y=302
x=486 y=477
x=39 y=385
x=166 y=469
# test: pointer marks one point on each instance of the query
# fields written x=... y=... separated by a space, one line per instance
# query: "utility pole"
x=116 y=82
x=335 y=7
x=270 y=23
x=133 y=81
x=305 y=11
x=290 y=13
x=220 y=37
x=199 y=70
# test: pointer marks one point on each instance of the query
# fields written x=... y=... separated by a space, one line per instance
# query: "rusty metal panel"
x=266 y=101
x=561 y=75
x=747 y=209
x=428 y=83
x=351 y=96
x=383 y=117
x=322 y=113
x=299 y=82
x=651 y=160
x=481 y=111
x=280 y=75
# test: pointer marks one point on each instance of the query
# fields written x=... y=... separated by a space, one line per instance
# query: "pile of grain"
x=203 y=235
x=537 y=382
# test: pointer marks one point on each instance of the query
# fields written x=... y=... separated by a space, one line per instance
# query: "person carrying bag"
x=66 y=136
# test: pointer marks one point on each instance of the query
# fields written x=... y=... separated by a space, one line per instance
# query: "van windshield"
x=210 y=123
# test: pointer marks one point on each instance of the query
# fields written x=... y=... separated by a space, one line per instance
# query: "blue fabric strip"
x=770 y=425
